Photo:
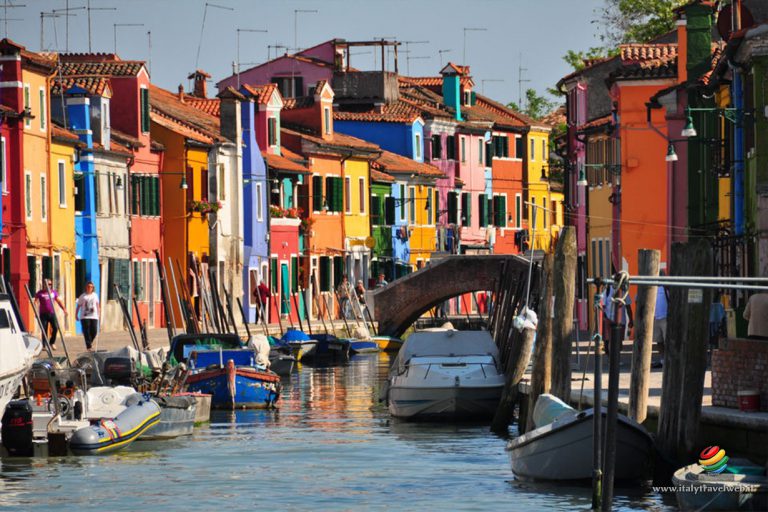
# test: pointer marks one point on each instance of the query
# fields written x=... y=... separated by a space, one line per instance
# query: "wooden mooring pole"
x=685 y=355
x=564 y=286
x=541 y=374
x=642 y=348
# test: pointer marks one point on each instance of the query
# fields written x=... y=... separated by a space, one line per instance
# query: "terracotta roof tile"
x=169 y=107
x=125 y=139
x=650 y=60
x=105 y=68
x=282 y=163
x=397 y=112
x=381 y=177
x=718 y=51
x=261 y=93
x=556 y=117
x=393 y=163
x=338 y=141
x=180 y=128
x=96 y=85
x=595 y=123
x=298 y=103
x=63 y=135
x=287 y=153
x=210 y=106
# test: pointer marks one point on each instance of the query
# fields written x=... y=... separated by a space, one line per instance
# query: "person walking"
x=360 y=291
x=88 y=311
x=262 y=293
x=343 y=291
x=45 y=299
x=756 y=313
x=625 y=318
x=660 y=322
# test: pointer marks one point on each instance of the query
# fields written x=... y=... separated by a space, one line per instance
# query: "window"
x=466 y=209
x=519 y=147
x=450 y=147
x=453 y=206
x=436 y=207
x=518 y=209
x=361 y=190
x=500 y=211
x=27 y=106
x=467 y=98
x=3 y=165
x=325 y=274
x=43 y=113
x=334 y=194
x=482 y=208
x=534 y=216
x=347 y=195
x=412 y=205
x=500 y=146
x=436 y=147
x=28 y=193
x=553 y=214
x=222 y=182
x=429 y=206
x=417 y=146
x=290 y=87
x=272 y=131
x=376 y=219
x=145 y=123
x=62 y=184
x=119 y=272
x=259 y=203
x=43 y=198
x=327 y=120
x=145 y=195
x=480 y=150
x=317 y=193
x=402 y=202
x=463 y=149
x=544 y=150
x=389 y=211
x=533 y=150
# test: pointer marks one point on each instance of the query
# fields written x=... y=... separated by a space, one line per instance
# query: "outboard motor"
x=120 y=371
x=17 y=429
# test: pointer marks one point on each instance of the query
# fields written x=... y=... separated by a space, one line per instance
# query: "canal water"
x=331 y=446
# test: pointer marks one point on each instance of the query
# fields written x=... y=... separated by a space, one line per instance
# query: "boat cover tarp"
x=549 y=408
x=293 y=334
x=438 y=342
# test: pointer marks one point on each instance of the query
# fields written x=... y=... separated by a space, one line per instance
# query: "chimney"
x=452 y=88
x=181 y=93
x=698 y=38
x=682 y=47
x=200 y=85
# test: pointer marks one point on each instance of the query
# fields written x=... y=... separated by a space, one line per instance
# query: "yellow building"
x=423 y=231
x=357 y=224
x=36 y=73
x=542 y=194
x=64 y=145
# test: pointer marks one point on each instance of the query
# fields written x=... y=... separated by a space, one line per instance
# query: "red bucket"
x=749 y=400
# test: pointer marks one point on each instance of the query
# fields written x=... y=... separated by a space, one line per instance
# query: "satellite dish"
x=725 y=20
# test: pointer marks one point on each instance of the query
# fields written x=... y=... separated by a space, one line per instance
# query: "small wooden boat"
x=387 y=343
x=331 y=347
x=364 y=347
x=741 y=486
x=302 y=346
x=560 y=448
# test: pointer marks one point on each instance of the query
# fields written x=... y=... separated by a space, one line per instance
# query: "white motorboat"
x=446 y=373
x=560 y=447
x=17 y=351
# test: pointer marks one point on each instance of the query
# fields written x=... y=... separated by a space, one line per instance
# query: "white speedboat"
x=17 y=351
x=560 y=447
x=446 y=373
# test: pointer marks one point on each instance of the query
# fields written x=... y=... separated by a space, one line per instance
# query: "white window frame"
x=43 y=196
x=327 y=120
x=62 y=175
x=417 y=145
x=28 y=194
x=259 y=203
x=361 y=189
x=3 y=165
x=27 y=98
x=410 y=204
x=43 y=109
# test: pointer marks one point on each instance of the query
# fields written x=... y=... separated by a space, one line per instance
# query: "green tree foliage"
x=535 y=106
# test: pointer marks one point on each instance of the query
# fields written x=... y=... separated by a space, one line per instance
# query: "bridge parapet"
x=399 y=304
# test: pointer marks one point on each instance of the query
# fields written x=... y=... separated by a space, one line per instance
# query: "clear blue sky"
x=540 y=31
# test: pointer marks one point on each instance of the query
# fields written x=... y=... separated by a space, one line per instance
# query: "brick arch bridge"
x=399 y=304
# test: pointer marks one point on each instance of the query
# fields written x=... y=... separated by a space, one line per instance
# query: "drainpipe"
x=738 y=151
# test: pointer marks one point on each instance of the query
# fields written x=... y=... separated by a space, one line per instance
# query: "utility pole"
x=114 y=30
x=88 y=8
x=520 y=82
x=239 y=30
x=202 y=27
x=441 y=52
x=464 y=52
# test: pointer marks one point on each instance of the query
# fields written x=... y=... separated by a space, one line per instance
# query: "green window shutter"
x=145 y=110
x=338 y=270
x=294 y=274
x=466 y=209
x=338 y=194
x=505 y=140
x=137 y=278
x=436 y=207
x=273 y=274
x=317 y=193
x=31 y=268
x=125 y=276
x=325 y=273
x=473 y=98
x=375 y=210
x=482 y=210
x=503 y=211
x=496 y=210
x=134 y=196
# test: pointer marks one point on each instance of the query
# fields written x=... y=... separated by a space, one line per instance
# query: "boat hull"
x=364 y=347
x=563 y=450
x=696 y=490
x=112 y=435
x=177 y=417
x=241 y=388
x=388 y=343
x=461 y=403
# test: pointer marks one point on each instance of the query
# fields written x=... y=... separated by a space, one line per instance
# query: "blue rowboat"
x=237 y=384
x=302 y=346
x=364 y=347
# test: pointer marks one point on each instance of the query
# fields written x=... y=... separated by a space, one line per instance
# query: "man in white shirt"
x=88 y=312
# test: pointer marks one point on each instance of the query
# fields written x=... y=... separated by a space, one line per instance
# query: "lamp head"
x=671 y=155
x=689 y=130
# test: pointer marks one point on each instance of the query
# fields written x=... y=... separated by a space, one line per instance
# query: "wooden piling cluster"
x=509 y=299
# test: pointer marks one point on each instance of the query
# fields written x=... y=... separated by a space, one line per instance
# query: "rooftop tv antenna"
x=407 y=50
x=202 y=27
x=441 y=52
x=88 y=9
x=8 y=5
x=464 y=52
x=238 y=64
x=520 y=82
x=67 y=9
x=114 y=30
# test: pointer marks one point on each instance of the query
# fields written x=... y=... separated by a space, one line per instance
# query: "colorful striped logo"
x=713 y=459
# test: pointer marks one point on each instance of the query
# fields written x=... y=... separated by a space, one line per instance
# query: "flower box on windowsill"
x=284 y=221
x=204 y=206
